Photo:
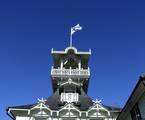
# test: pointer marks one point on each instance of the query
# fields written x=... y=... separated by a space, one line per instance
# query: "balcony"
x=73 y=73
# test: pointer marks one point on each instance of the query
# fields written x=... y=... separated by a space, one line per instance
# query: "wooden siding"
x=141 y=104
x=128 y=117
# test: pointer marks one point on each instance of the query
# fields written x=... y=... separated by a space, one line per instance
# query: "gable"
x=98 y=110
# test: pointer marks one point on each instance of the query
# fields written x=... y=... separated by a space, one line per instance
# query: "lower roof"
x=54 y=103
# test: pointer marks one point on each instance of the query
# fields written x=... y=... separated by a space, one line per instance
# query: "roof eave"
x=129 y=102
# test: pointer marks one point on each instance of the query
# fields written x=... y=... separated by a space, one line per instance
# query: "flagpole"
x=70 y=39
x=73 y=30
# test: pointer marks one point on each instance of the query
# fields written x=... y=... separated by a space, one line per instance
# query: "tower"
x=70 y=73
x=70 y=76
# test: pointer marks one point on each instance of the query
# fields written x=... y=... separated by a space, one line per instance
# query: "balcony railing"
x=82 y=73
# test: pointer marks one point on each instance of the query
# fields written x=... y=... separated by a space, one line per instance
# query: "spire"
x=73 y=30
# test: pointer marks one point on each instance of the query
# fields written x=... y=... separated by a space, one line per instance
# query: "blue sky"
x=113 y=29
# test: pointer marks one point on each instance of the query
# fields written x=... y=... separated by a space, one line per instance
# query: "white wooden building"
x=70 y=75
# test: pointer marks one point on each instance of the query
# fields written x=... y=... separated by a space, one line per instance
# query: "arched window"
x=71 y=61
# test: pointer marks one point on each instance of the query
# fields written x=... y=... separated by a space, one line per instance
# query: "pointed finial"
x=41 y=100
x=97 y=101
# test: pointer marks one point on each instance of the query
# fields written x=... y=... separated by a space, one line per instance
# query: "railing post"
x=88 y=71
x=61 y=64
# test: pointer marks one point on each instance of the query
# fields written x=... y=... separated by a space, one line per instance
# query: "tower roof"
x=71 y=49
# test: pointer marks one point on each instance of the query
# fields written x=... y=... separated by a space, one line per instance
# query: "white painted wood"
x=69 y=97
x=23 y=118
x=41 y=111
x=70 y=48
